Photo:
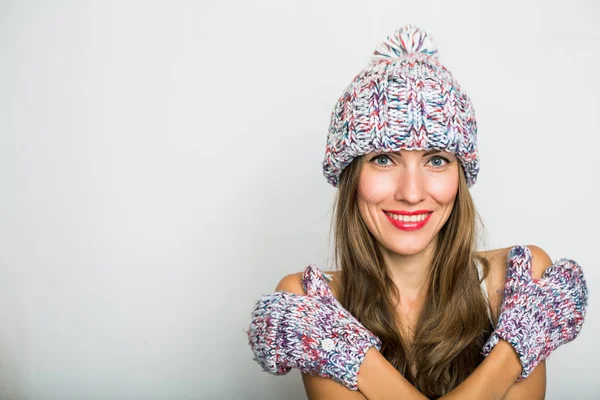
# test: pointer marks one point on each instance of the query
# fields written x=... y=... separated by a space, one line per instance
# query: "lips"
x=408 y=220
x=417 y=212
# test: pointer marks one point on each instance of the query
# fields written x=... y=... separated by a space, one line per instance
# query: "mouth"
x=408 y=221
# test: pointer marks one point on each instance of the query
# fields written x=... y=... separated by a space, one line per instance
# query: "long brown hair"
x=453 y=323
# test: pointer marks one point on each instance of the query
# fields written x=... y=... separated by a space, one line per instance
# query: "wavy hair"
x=453 y=323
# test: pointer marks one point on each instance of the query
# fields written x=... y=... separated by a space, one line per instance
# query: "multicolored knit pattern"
x=539 y=315
x=405 y=99
x=312 y=333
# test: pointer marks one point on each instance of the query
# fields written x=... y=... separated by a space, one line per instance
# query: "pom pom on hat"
x=407 y=40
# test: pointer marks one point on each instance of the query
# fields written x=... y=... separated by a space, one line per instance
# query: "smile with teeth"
x=408 y=222
x=408 y=218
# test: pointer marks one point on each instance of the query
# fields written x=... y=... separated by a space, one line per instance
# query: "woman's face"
x=406 y=197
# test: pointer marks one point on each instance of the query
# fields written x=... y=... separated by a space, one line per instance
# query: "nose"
x=411 y=186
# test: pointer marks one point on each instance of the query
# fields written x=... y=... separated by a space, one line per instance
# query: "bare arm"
x=490 y=380
x=494 y=378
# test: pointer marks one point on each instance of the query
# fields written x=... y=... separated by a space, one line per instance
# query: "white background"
x=160 y=169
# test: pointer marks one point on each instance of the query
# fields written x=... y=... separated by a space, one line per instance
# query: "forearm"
x=492 y=378
x=379 y=380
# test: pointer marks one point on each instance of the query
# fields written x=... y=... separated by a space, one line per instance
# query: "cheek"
x=374 y=188
x=445 y=190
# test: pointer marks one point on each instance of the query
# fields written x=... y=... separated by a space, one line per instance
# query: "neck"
x=410 y=273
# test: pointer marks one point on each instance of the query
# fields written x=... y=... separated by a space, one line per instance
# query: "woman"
x=402 y=152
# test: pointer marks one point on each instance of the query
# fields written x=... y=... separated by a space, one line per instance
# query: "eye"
x=439 y=161
x=381 y=157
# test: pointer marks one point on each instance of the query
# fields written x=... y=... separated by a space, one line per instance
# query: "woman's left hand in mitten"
x=539 y=315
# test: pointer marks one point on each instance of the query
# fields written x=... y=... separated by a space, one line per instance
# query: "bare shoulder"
x=292 y=283
x=497 y=259
x=495 y=280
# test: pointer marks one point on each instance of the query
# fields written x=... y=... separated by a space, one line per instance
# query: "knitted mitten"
x=312 y=332
x=539 y=315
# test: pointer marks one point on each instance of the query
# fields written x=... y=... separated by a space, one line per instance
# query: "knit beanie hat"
x=405 y=99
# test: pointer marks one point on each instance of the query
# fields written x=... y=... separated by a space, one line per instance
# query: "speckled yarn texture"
x=312 y=333
x=405 y=99
x=539 y=315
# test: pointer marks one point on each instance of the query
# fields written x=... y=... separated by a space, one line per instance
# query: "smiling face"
x=406 y=197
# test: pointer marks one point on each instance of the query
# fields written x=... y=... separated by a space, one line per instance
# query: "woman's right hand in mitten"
x=313 y=333
x=539 y=315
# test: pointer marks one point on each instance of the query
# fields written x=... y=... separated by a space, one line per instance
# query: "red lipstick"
x=408 y=225
x=408 y=212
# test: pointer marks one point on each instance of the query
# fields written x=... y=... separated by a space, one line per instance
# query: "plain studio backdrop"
x=160 y=170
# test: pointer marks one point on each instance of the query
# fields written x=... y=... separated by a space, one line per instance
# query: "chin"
x=408 y=247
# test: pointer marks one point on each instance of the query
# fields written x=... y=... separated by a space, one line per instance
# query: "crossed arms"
x=495 y=377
